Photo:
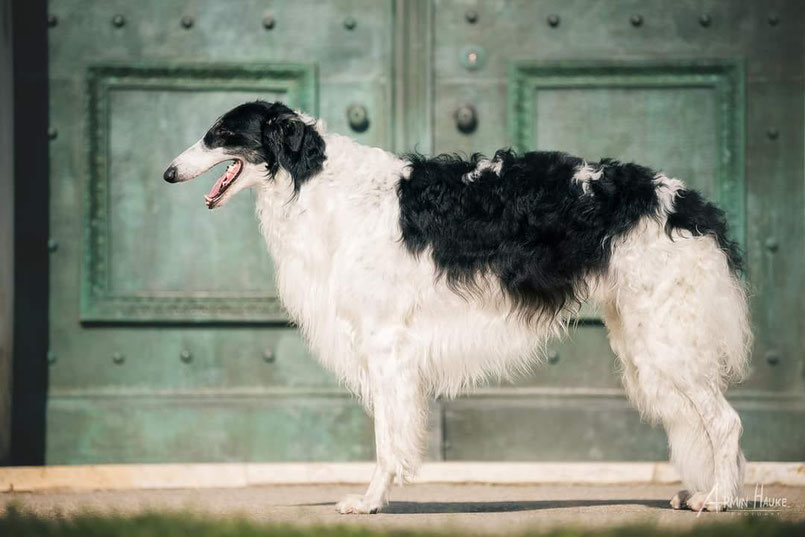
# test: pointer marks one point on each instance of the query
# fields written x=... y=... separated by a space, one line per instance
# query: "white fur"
x=484 y=164
x=667 y=190
x=196 y=160
x=394 y=333
x=586 y=173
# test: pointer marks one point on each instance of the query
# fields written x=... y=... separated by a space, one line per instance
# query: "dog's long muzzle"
x=194 y=161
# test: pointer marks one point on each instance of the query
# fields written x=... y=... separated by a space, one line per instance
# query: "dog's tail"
x=692 y=213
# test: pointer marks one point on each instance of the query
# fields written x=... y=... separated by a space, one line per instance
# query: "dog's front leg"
x=400 y=411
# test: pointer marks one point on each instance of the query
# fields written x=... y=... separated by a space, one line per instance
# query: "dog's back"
x=542 y=223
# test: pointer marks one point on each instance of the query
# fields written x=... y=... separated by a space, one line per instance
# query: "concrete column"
x=6 y=227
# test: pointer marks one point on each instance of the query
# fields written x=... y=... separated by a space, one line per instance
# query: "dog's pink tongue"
x=223 y=181
x=219 y=184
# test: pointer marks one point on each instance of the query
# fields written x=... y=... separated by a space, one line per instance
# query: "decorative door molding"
x=724 y=77
x=99 y=301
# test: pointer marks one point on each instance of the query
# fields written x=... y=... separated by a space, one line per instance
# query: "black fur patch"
x=270 y=133
x=532 y=227
x=695 y=214
x=295 y=145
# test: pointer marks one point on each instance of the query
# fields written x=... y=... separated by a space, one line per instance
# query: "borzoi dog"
x=412 y=277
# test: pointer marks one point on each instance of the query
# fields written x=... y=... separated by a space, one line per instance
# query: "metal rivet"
x=186 y=356
x=773 y=133
x=472 y=57
x=350 y=23
x=118 y=21
x=553 y=357
x=269 y=22
x=637 y=20
x=187 y=22
x=553 y=21
x=774 y=19
x=471 y=16
x=51 y=357
x=53 y=245
x=53 y=20
x=268 y=356
x=358 y=117
x=52 y=133
x=705 y=19
x=772 y=357
x=466 y=118
x=118 y=358
x=771 y=244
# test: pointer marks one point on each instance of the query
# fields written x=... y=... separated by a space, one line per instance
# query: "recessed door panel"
x=717 y=104
x=168 y=340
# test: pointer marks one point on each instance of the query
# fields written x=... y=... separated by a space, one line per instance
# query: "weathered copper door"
x=710 y=92
x=168 y=342
x=168 y=339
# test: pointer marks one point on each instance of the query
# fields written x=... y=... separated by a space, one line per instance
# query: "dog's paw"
x=702 y=501
x=679 y=501
x=697 y=501
x=355 y=504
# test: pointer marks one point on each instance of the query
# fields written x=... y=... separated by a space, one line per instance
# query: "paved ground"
x=476 y=508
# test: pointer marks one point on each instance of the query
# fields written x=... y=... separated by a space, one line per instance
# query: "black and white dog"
x=412 y=277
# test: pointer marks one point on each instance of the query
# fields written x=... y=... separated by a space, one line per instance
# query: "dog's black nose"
x=170 y=174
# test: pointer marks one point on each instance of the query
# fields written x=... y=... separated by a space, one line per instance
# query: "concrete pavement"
x=467 y=508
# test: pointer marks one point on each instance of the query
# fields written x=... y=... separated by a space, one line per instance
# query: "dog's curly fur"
x=413 y=276
x=541 y=234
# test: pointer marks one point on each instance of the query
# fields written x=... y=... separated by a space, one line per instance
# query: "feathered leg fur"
x=399 y=406
x=678 y=321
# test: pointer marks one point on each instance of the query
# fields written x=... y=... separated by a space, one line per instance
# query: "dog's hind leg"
x=722 y=427
x=399 y=405
x=703 y=437
x=677 y=320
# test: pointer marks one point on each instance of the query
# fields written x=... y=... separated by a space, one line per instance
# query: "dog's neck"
x=304 y=229
x=354 y=177
x=349 y=200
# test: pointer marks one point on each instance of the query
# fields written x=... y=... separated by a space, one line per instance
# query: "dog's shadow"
x=432 y=508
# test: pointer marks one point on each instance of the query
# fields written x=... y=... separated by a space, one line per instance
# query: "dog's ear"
x=296 y=146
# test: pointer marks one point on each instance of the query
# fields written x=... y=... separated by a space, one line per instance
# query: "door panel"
x=154 y=429
x=145 y=211
x=168 y=342
x=563 y=120
x=140 y=237
x=705 y=102
x=684 y=119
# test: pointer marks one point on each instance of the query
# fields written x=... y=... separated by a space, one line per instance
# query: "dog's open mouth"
x=223 y=183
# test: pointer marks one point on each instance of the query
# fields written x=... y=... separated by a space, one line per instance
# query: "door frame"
x=31 y=227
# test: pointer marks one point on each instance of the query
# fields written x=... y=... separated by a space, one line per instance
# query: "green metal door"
x=707 y=91
x=167 y=339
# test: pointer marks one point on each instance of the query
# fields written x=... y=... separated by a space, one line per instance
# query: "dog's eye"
x=222 y=132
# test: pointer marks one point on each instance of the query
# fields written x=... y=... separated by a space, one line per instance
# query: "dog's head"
x=259 y=138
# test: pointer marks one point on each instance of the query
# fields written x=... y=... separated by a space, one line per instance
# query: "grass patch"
x=16 y=522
